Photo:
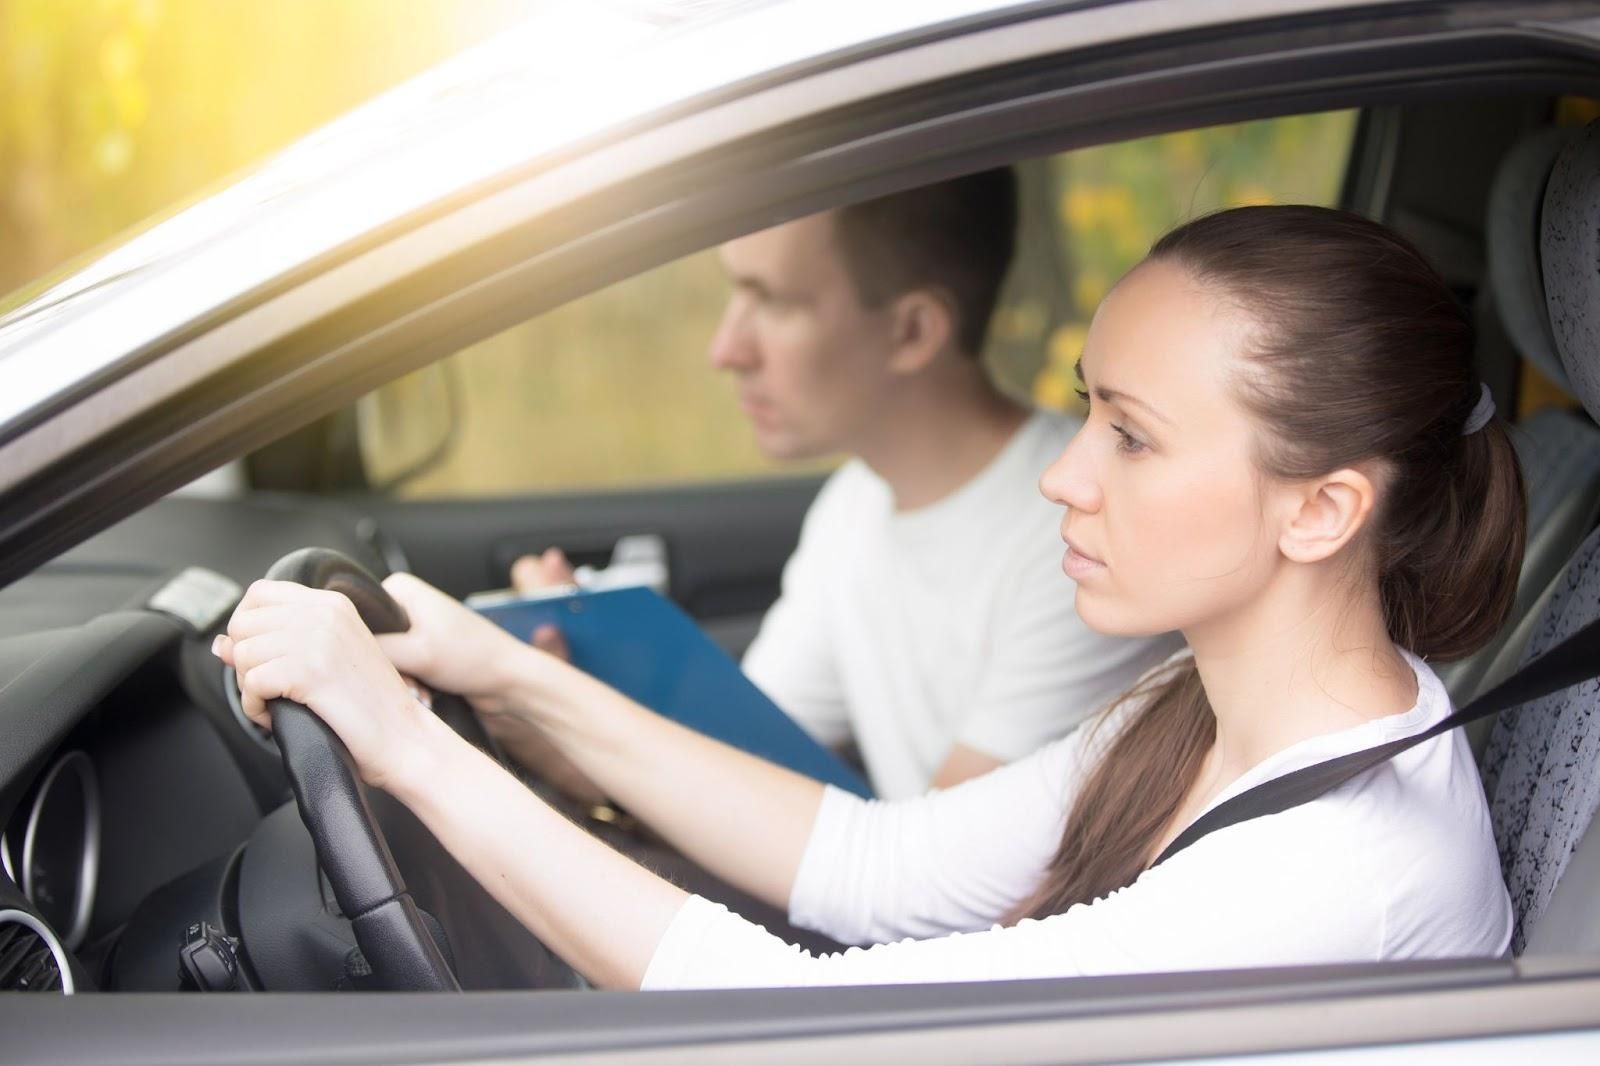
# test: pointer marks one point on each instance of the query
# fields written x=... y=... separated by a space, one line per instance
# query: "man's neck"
x=939 y=433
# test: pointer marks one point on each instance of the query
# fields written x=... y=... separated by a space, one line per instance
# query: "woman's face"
x=1169 y=525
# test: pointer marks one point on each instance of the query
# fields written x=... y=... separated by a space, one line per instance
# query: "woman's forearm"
x=743 y=818
x=598 y=910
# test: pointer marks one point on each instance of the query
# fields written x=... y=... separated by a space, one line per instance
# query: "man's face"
x=810 y=360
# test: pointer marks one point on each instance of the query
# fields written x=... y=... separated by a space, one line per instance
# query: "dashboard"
x=138 y=809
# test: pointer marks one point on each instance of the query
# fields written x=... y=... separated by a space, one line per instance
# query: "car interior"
x=150 y=842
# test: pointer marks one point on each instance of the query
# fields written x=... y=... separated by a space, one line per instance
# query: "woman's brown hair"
x=1359 y=353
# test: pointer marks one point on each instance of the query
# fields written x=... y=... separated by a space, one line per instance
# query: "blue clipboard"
x=646 y=647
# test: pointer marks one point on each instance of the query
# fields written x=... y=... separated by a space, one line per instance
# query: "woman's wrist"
x=419 y=755
x=529 y=687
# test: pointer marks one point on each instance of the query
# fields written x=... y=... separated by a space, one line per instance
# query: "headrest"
x=1570 y=251
x=1516 y=281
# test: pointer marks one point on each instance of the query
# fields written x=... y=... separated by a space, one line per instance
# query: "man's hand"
x=531 y=573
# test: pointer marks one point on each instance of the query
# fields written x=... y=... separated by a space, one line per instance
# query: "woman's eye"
x=1127 y=442
x=1083 y=396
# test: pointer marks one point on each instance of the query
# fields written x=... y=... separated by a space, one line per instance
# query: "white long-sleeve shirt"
x=1397 y=863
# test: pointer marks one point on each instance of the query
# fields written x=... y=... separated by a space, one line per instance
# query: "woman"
x=1286 y=457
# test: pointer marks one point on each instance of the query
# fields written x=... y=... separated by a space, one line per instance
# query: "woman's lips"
x=1078 y=565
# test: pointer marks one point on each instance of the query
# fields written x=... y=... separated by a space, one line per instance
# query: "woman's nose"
x=1070 y=480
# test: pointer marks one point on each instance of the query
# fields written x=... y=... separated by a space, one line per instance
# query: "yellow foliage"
x=1022 y=323
x=1053 y=389
x=1088 y=289
x=1249 y=195
x=1184 y=148
x=1066 y=345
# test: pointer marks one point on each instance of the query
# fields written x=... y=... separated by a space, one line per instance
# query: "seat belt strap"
x=1574 y=660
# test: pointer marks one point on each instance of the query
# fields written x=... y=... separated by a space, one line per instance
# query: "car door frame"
x=351 y=339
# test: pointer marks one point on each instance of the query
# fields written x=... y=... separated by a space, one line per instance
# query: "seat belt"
x=1574 y=660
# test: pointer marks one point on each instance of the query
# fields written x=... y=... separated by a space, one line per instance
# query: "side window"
x=615 y=390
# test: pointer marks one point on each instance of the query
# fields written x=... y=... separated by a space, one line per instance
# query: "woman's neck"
x=1312 y=656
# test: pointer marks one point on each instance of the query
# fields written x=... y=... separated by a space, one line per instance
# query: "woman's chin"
x=1108 y=616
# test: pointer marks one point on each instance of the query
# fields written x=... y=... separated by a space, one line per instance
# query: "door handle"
x=636 y=559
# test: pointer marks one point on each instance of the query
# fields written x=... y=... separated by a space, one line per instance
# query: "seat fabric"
x=1542 y=764
x=1559 y=450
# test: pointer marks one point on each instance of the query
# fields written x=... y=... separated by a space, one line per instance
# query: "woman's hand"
x=310 y=646
x=455 y=649
x=450 y=647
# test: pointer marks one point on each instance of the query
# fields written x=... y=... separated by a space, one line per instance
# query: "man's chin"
x=784 y=448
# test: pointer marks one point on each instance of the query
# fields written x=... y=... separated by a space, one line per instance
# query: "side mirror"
x=405 y=428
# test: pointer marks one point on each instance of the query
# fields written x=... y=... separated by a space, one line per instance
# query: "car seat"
x=1559 y=450
x=1541 y=767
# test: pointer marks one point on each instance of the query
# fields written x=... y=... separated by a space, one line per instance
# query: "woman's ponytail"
x=1450 y=554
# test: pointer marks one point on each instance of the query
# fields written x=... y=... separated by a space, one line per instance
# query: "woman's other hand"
x=449 y=647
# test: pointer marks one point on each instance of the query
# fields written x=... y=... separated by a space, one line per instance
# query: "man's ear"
x=923 y=326
x=1326 y=513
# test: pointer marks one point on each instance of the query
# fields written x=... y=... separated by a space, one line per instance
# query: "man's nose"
x=1071 y=480
x=733 y=347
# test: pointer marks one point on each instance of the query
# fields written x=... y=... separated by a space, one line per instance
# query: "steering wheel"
x=333 y=804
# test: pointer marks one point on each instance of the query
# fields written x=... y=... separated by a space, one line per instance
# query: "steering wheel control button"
x=197 y=597
x=208 y=961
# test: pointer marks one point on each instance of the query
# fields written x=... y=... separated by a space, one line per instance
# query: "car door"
x=1138 y=1017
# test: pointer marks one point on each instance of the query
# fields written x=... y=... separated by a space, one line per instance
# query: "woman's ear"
x=1326 y=514
x=923 y=325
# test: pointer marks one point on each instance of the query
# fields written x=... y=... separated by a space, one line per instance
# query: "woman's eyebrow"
x=1113 y=396
x=1116 y=396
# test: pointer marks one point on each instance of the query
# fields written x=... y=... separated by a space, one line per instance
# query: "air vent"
x=31 y=958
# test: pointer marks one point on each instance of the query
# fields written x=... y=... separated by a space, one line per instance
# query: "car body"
x=579 y=151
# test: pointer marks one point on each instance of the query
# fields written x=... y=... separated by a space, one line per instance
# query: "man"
x=923 y=615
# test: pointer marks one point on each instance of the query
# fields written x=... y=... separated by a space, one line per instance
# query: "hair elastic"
x=1482 y=411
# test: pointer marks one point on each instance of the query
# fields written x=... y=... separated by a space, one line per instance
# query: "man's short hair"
x=956 y=237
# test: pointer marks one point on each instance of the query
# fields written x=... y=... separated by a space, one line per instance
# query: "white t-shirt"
x=1397 y=863
x=912 y=632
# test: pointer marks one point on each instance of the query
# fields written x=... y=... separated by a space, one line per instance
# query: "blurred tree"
x=114 y=110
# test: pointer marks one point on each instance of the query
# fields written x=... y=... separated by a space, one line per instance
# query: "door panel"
x=726 y=543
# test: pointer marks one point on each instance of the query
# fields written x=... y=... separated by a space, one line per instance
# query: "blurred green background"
x=117 y=110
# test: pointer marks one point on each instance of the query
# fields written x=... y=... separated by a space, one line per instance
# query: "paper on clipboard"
x=645 y=646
